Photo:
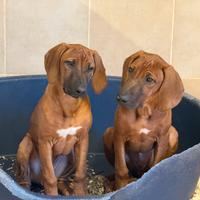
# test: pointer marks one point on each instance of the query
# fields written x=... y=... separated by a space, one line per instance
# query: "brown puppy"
x=142 y=134
x=57 y=140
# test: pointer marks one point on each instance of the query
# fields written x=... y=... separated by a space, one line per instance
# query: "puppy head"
x=147 y=78
x=72 y=66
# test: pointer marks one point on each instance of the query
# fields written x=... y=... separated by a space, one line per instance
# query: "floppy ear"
x=171 y=90
x=99 y=81
x=52 y=61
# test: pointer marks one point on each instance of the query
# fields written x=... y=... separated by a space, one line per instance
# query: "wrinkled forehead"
x=147 y=63
x=80 y=54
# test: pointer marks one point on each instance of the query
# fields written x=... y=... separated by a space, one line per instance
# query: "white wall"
x=116 y=29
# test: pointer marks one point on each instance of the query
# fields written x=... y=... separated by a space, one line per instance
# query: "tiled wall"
x=116 y=29
x=32 y=27
x=2 y=65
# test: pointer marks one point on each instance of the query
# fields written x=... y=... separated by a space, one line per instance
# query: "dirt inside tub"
x=97 y=183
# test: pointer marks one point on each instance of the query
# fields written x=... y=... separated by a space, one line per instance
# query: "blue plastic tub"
x=174 y=178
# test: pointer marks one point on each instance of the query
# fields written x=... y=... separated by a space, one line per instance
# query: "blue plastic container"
x=174 y=178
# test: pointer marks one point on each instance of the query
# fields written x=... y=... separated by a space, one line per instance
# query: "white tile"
x=1 y=36
x=192 y=86
x=186 y=41
x=120 y=28
x=35 y=26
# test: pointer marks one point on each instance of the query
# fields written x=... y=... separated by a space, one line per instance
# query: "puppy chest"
x=142 y=128
x=66 y=139
x=141 y=139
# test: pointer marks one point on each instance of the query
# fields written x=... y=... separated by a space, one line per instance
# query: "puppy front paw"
x=25 y=184
x=121 y=182
x=79 y=188
x=62 y=188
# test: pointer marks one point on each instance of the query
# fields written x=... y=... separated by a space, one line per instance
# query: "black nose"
x=122 y=99
x=80 y=90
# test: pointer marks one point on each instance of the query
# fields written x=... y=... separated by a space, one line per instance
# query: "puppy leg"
x=166 y=146
x=173 y=141
x=69 y=168
x=49 y=179
x=81 y=150
x=22 y=162
x=121 y=169
x=108 y=145
x=108 y=138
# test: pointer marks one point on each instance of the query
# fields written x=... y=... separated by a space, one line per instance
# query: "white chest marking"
x=144 y=131
x=69 y=131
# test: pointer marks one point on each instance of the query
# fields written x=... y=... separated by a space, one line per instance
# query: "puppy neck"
x=68 y=105
x=149 y=111
x=144 y=111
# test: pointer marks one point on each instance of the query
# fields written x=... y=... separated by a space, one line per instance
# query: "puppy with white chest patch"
x=57 y=139
x=143 y=134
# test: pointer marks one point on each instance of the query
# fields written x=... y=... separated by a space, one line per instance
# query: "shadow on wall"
x=114 y=46
x=116 y=30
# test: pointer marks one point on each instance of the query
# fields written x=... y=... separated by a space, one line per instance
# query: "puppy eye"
x=149 y=79
x=131 y=69
x=90 y=68
x=70 y=63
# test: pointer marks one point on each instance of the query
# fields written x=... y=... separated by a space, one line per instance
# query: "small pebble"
x=3 y=157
